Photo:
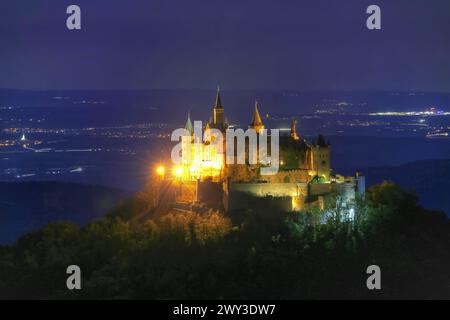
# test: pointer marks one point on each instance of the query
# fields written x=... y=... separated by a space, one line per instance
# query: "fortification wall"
x=186 y=192
x=239 y=200
x=345 y=190
x=271 y=189
x=211 y=193
x=290 y=176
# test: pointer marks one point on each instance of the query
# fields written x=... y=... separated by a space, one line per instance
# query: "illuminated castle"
x=202 y=160
x=304 y=177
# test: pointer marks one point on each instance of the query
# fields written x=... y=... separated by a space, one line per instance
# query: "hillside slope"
x=429 y=179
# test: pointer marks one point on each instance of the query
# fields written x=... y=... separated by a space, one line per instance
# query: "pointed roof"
x=256 y=120
x=218 y=104
x=321 y=141
x=294 y=134
x=188 y=125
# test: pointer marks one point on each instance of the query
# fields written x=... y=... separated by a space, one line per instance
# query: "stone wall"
x=271 y=189
x=186 y=192
x=346 y=189
x=211 y=193
x=239 y=200
x=289 y=196
x=289 y=176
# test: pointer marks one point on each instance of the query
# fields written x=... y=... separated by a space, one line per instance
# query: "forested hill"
x=268 y=254
x=429 y=179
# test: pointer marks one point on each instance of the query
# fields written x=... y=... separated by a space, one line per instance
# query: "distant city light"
x=432 y=111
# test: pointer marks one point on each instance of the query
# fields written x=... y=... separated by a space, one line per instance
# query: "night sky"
x=197 y=44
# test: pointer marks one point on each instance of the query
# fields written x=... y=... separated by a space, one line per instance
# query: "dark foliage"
x=265 y=255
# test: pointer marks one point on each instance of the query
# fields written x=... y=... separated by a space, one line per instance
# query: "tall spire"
x=188 y=125
x=294 y=134
x=218 y=104
x=218 y=113
x=256 y=119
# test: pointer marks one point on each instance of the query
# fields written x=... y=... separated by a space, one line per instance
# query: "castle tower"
x=256 y=120
x=321 y=158
x=188 y=126
x=219 y=119
x=294 y=134
x=186 y=143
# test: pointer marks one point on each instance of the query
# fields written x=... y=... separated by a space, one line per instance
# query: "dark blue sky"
x=190 y=44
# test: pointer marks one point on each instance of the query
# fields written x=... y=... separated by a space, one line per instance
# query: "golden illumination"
x=200 y=161
x=160 y=170
x=178 y=171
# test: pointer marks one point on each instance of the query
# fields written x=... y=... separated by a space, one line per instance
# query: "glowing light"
x=160 y=170
x=178 y=171
x=351 y=213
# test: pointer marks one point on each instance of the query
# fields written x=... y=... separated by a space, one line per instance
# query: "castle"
x=304 y=178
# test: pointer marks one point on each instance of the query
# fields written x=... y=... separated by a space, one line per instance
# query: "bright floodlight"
x=178 y=171
x=160 y=170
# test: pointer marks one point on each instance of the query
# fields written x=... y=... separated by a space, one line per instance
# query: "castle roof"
x=218 y=104
x=321 y=141
x=294 y=134
x=188 y=125
x=256 y=119
x=287 y=142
